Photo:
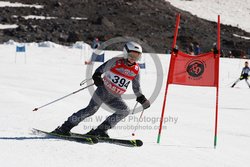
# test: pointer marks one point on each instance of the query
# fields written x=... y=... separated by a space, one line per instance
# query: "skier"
x=197 y=49
x=118 y=73
x=244 y=75
x=191 y=49
x=96 y=43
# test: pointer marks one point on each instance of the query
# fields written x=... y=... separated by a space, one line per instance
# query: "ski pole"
x=85 y=81
x=35 y=109
x=138 y=119
x=138 y=123
x=134 y=107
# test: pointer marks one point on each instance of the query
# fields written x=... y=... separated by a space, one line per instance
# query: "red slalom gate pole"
x=217 y=83
x=170 y=67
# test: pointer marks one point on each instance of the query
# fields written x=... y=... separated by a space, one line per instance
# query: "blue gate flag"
x=20 y=48
x=97 y=58
x=142 y=65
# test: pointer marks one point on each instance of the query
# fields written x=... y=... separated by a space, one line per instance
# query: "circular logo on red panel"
x=195 y=68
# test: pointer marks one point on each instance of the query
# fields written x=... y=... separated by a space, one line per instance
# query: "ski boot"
x=64 y=129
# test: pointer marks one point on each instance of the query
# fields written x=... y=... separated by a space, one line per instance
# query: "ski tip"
x=139 y=143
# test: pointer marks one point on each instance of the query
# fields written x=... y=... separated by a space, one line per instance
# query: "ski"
x=80 y=139
x=121 y=142
x=88 y=139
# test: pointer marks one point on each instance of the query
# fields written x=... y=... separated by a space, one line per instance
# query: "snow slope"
x=50 y=73
x=235 y=13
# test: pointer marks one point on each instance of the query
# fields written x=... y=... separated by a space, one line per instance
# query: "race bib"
x=116 y=83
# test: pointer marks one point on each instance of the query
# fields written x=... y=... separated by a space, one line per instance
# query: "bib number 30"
x=122 y=82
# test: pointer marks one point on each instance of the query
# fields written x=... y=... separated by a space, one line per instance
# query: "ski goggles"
x=134 y=55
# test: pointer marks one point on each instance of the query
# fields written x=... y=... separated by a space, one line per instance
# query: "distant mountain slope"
x=235 y=13
x=149 y=20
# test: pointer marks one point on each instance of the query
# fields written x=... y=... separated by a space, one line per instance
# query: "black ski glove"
x=144 y=102
x=97 y=79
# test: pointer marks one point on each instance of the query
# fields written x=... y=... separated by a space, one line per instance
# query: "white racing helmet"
x=132 y=46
